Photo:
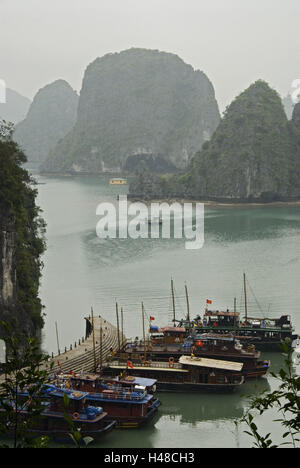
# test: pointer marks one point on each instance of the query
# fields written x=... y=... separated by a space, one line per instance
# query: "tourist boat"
x=209 y=345
x=118 y=181
x=190 y=374
x=90 y=420
x=265 y=333
x=126 y=400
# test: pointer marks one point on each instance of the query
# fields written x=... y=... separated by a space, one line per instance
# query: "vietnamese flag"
x=152 y=318
x=208 y=301
x=129 y=364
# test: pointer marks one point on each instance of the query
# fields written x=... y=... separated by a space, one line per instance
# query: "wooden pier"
x=86 y=354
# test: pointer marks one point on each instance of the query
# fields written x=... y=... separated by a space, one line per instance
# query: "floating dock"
x=86 y=355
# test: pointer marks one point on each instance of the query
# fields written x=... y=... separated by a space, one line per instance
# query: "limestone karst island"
x=149 y=227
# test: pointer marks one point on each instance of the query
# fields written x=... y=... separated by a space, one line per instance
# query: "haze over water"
x=82 y=270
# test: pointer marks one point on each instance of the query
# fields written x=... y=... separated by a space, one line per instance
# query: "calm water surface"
x=82 y=270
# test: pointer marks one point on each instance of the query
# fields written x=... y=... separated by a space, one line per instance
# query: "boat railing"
x=155 y=364
x=122 y=396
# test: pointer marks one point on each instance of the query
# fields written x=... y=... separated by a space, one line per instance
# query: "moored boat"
x=126 y=401
x=208 y=345
x=91 y=421
x=265 y=333
x=190 y=374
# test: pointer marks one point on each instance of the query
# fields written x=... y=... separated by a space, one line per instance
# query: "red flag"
x=129 y=364
x=208 y=301
x=152 y=318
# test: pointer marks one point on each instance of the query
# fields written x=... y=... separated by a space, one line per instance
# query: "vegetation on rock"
x=252 y=156
x=21 y=241
x=137 y=102
x=51 y=116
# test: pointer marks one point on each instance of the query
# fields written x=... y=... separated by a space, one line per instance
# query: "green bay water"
x=82 y=270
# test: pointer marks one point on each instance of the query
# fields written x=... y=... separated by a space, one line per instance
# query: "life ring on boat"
x=75 y=416
x=171 y=362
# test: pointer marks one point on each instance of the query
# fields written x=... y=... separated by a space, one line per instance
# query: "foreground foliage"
x=21 y=221
x=286 y=400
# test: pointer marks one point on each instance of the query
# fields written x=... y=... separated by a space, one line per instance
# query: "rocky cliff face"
x=249 y=155
x=254 y=155
x=51 y=116
x=8 y=245
x=21 y=244
x=11 y=308
x=137 y=102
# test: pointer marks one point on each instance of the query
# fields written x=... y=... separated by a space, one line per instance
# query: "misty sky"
x=234 y=42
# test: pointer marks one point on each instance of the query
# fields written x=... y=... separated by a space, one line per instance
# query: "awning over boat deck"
x=212 y=363
x=220 y=313
x=138 y=381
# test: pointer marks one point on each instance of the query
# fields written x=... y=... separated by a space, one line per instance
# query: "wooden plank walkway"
x=82 y=357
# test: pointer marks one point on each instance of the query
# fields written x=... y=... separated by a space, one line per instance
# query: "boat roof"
x=138 y=381
x=261 y=319
x=72 y=395
x=212 y=363
x=163 y=366
x=172 y=329
x=220 y=313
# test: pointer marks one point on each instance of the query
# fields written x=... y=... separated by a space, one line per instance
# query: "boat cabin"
x=218 y=318
x=167 y=335
x=189 y=374
x=125 y=400
x=75 y=401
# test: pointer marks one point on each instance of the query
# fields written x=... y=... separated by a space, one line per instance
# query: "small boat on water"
x=126 y=400
x=190 y=374
x=90 y=420
x=117 y=181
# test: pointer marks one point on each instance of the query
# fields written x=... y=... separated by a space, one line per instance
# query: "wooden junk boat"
x=126 y=401
x=90 y=420
x=170 y=342
x=190 y=374
x=265 y=333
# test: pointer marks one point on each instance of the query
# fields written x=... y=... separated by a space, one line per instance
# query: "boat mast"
x=144 y=338
x=101 y=351
x=122 y=327
x=94 y=347
x=245 y=297
x=118 y=328
x=173 y=301
x=57 y=340
x=234 y=308
x=187 y=304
